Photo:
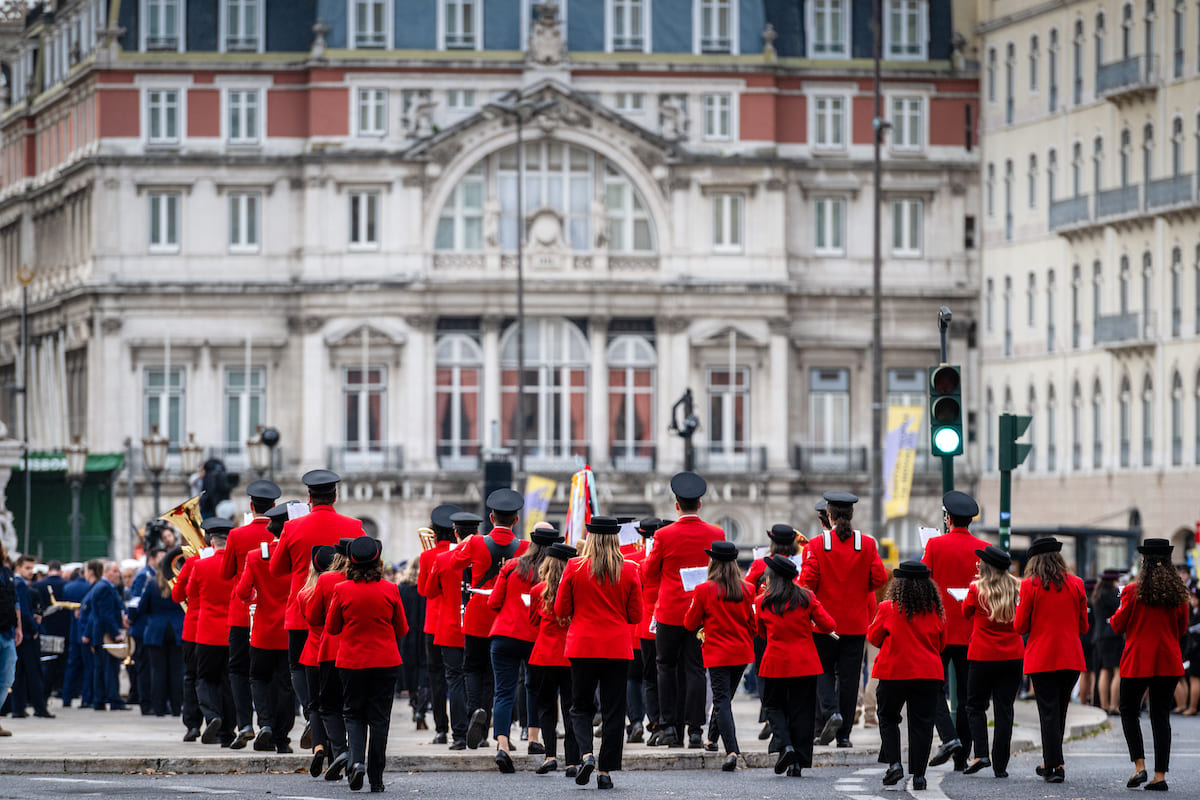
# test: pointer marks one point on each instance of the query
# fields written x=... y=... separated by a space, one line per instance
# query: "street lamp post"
x=259 y=452
x=190 y=456
x=76 y=454
x=154 y=455
x=270 y=437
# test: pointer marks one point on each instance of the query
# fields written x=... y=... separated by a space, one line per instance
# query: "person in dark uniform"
x=413 y=675
x=78 y=656
x=107 y=619
x=212 y=637
x=162 y=637
x=1108 y=645
x=322 y=747
x=328 y=697
x=549 y=668
x=56 y=628
x=28 y=689
x=445 y=587
x=443 y=531
x=186 y=591
x=680 y=545
x=366 y=611
x=646 y=657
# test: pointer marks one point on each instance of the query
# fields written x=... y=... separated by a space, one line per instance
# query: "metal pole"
x=1005 y=504
x=157 y=485
x=129 y=484
x=877 y=305
x=520 y=426
x=76 y=486
x=25 y=406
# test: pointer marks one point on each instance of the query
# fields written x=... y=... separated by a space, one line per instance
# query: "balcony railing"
x=559 y=457
x=374 y=457
x=1131 y=327
x=1111 y=202
x=1068 y=212
x=242 y=44
x=1126 y=76
x=734 y=457
x=462 y=456
x=633 y=456
x=830 y=457
x=1176 y=190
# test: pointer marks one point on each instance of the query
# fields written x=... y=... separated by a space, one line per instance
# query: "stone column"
x=778 y=437
x=420 y=429
x=491 y=379
x=316 y=375
x=598 y=390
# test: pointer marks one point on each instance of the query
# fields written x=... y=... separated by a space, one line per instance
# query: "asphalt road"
x=1097 y=768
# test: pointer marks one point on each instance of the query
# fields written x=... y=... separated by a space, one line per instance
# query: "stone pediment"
x=716 y=334
x=378 y=335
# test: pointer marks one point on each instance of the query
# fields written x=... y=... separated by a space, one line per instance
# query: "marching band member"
x=513 y=635
x=994 y=658
x=787 y=616
x=1154 y=617
x=106 y=619
x=635 y=694
x=646 y=657
x=679 y=545
x=445 y=587
x=601 y=594
x=212 y=636
x=241 y=541
x=550 y=670
x=786 y=541
x=164 y=620
x=910 y=631
x=328 y=695
x=366 y=611
x=310 y=659
x=184 y=591
x=443 y=530
x=1051 y=613
x=724 y=607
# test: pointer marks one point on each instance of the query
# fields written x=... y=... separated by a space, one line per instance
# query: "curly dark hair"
x=916 y=596
x=1159 y=584
x=365 y=573
x=1049 y=569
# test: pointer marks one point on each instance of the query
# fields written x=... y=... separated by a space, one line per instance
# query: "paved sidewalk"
x=82 y=741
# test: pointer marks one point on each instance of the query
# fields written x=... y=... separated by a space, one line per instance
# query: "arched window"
x=1147 y=422
x=1127 y=31
x=1051 y=430
x=1099 y=40
x=1177 y=291
x=1008 y=199
x=1148 y=44
x=991 y=75
x=1076 y=427
x=1177 y=419
x=631 y=369
x=1052 y=168
x=1097 y=163
x=1033 y=63
x=1097 y=295
x=1031 y=410
x=1010 y=80
x=459 y=378
x=1125 y=420
x=1077 y=169
x=1147 y=295
x=989 y=423
x=733 y=529
x=1147 y=152
x=554 y=406
x=990 y=189
x=1126 y=154
x=1124 y=284
x=1179 y=37
x=1077 y=61
x=1098 y=426
x=1176 y=147
x=1033 y=168
x=1050 y=333
x=1052 y=69
x=1076 y=325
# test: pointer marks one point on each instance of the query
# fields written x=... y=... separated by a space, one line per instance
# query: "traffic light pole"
x=1010 y=455
x=947 y=461
x=1005 y=505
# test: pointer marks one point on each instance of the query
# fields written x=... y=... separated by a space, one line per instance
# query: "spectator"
x=10 y=628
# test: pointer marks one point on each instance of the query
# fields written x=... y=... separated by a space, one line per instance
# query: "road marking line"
x=198 y=789
x=870 y=771
x=72 y=780
x=934 y=790
x=1125 y=756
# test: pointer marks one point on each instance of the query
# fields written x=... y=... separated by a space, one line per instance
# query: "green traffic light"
x=947 y=441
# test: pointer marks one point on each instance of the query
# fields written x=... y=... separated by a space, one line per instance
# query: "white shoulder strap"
x=858 y=541
x=828 y=537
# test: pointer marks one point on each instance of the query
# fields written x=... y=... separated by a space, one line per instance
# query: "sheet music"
x=297 y=510
x=957 y=594
x=629 y=534
x=693 y=577
x=927 y=534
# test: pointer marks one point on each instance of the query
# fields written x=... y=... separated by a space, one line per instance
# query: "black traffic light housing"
x=945 y=410
x=1011 y=454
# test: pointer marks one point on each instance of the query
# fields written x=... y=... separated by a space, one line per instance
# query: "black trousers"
x=456 y=691
x=437 y=684
x=554 y=692
x=477 y=672
x=164 y=664
x=920 y=696
x=791 y=706
x=316 y=725
x=635 y=699
x=212 y=686
x=329 y=703
x=368 y=711
x=192 y=717
x=649 y=663
x=145 y=689
x=608 y=676
x=724 y=681
x=239 y=676
x=997 y=682
x=27 y=685
x=956 y=726
x=271 y=690
x=1052 y=691
x=1162 y=698
x=837 y=688
x=681 y=687
x=296 y=642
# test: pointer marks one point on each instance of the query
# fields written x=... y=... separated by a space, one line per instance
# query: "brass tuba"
x=428 y=538
x=184 y=518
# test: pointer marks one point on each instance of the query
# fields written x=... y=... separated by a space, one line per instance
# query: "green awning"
x=56 y=461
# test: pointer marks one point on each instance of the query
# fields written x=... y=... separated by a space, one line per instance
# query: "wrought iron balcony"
x=1128 y=79
x=354 y=458
x=1173 y=191
x=1123 y=330
x=1072 y=211
x=733 y=457
x=633 y=456
x=1112 y=202
x=820 y=457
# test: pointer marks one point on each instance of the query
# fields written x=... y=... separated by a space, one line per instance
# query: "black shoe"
x=283 y=748
x=894 y=774
x=668 y=738
x=212 y=732
x=785 y=760
x=1137 y=780
x=439 y=739
x=43 y=714
x=504 y=763
x=317 y=764
x=765 y=733
x=546 y=767
x=830 y=730
x=945 y=752
x=844 y=741
x=1000 y=773
x=192 y=735
x=1057 y=775
x=795 y=771
x=960 y=762
x=377 y=787
x=1040 y=770
x=585 y=770
x=537 y=749
x=422 y=725
x=635 y=734
x=695 y=741
x=571 y=772
x=262 y=742
x=459 y=744
x=605 y=782
x=356 y=775
x=977 y=765
x=334 y=773
x=730 y=764
x=306 y=741
x=477 y=728
x=919 y=783
x=1156 y=786
x=655 y=739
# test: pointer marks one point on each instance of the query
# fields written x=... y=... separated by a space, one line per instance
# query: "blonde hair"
x=310 y=582
x=998 y=590
x=603 y=553
x=551 y=572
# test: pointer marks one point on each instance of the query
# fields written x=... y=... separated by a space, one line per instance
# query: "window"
x=1147 y=422
x=1176 y=147
x=370 y=24
x=1051 y=431
x=1196 y=282
x=627 y=25
x=1177 y=420
x=1050 y=312
x=1031 y=459
x=991 y=75
x=243 y=25
x=1148 y=44
x=989 y=436
x=829 y=122
x=718 y=26
x=905 y=29
x=162 y=116
x=164 y=222
x=1010 y=79
x=163 y=24
x=1053 y=70
x=1097 y=427
x=460 y=99
x=162 y=403
x=245 y=406
x=1099 y=45
x=629 y=228
x=1126 y=154
x=1147 y=152
x=364 y=408
x=1123 y=278
x=830 y=225
x=460 y=226
x=364 y=220
x=1125 y=422
x=243 y=115
x=372 y=112
x=459 y=379
x=989 y=301
x=1097 y=164
x=1008 y=317
x=244 y=221
x=1147 y=294
x=1008 y=200
x=1033 y=173
x=727 y=222
x=1179 y=34
x=1076 y=428
x=908 y=123
x=906 y=227
x=1097 y=289
x=631 y=430
x=1127 y=31
x=1076 y=325
x=728 y=410
x=1077 y=61
x=1033 y=63
x=557 y=175
x=1051 y=171
x=828 y=28
x=990 y=190
x=718 y=116
x=829 y=414
x=1030 y=299
x=554 y=407
x=630 y=102
x=461 y=24
x=1077 y=169
x=1176 y=292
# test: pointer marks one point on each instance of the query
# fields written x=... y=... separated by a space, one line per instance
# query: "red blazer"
x=1052 y=622
x=370 y=619
x=269 y=595
x=184 y=591
x=909 y=649
x=844 y=579
x=240 y=542
x=754 y=575
x=445 y=588
x=990 y=641
x=512 y=612
x=636 y=554
x=677 y=546
x=790 y=651
x=318 y=614
x=424 y=571
x=549 y=649
x=310 y=656
x=650 y=588
x=599 y=612
x=1152 y=637
x=322 y=526
x=474 y=554
x=953 y=565
x=214 y=592
x=728 y=626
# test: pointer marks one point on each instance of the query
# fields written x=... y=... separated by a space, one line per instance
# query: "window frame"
x=144 y=29
x=227 y=97
x=921 y=9
x=180 y=107
x=625 y=7
x=223 y=27
x=908 y=249
x=710 y=114
x=444 y=8
x=834 y=225
x=248 y=389
x=169 y=391
x=379 y=96
x=819 y=121
x=159 y=204
x=810 y=26
x=365 y=235
x=731 y=238
x=249 y=230
x=902 y=121
x=699 y=8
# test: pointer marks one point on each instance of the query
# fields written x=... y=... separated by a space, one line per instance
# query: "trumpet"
x=428 y=538
x=56 y=603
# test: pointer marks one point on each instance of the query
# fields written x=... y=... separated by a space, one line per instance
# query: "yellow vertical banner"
x=538 y=491
x=899 y=458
